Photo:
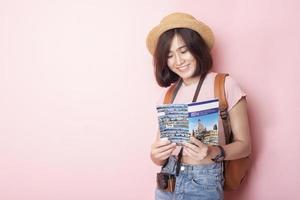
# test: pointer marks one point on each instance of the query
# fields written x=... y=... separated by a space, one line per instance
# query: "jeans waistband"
x=213 y=168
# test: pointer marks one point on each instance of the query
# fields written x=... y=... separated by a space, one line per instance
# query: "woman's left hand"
x=195 y=149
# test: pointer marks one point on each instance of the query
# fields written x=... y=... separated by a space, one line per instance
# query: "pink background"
x=77 y=114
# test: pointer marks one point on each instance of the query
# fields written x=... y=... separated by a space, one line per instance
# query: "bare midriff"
x=190 y=161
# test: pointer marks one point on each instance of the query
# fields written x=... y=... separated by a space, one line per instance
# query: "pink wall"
x=77 y=94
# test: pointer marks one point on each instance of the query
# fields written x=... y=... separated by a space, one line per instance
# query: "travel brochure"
x=178 y=122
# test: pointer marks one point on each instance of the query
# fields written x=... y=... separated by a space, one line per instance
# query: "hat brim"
x=202 y=29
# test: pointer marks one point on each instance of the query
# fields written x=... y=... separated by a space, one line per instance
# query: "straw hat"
x=179 y=20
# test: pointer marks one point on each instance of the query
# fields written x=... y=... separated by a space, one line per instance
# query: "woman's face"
x=180 y=59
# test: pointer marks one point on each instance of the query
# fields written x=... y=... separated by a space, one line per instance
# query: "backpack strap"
x=219 y=90
x=171 y=92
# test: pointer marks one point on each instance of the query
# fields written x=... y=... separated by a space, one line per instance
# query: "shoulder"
x=230 y=82
x=211 y=75
x=233 y=91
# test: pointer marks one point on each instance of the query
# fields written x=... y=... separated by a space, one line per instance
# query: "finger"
x=190 y=153
x=194 y=155
x=164 y=155
x=196 y=141
x=192 y=147
x=165 y=148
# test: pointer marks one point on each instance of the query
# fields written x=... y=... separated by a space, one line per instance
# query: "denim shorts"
x=194 y=182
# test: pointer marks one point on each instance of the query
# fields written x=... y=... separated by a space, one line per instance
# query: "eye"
x=170 y=56
x=184 y=50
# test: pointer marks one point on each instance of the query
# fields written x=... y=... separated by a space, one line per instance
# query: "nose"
x=178 y=59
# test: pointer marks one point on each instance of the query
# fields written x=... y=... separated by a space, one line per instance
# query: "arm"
x=241 y=147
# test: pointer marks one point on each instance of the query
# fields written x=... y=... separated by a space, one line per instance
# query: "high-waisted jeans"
x=194 y=182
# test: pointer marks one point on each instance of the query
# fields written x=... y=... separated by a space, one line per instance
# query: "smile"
x=183 y=68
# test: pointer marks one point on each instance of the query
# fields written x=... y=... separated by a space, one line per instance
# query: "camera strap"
x=178 y=165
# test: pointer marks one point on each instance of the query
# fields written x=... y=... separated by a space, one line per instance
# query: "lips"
x=183 y=68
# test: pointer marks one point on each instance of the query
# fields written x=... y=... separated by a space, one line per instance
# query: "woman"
x=181 y=46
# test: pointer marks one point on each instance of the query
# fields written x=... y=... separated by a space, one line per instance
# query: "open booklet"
x=178 y=122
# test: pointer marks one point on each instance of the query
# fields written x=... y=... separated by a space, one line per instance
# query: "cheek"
x=191 y=60
x=170 y=63
x=189 y=57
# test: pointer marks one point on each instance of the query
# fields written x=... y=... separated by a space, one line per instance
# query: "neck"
x=192 y=80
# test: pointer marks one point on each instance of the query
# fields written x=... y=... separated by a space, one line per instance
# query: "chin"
x=186 y=75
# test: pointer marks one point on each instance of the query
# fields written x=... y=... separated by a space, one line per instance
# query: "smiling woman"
x=181 y=46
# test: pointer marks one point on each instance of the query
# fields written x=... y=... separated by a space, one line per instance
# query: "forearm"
x=233 y=151
x=236 y=150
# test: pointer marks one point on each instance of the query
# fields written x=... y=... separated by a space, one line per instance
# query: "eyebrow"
x=180 y=47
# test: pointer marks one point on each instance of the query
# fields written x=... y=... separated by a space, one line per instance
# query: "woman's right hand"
x=161 y=149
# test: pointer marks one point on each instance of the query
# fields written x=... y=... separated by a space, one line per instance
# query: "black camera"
x=166 y=181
